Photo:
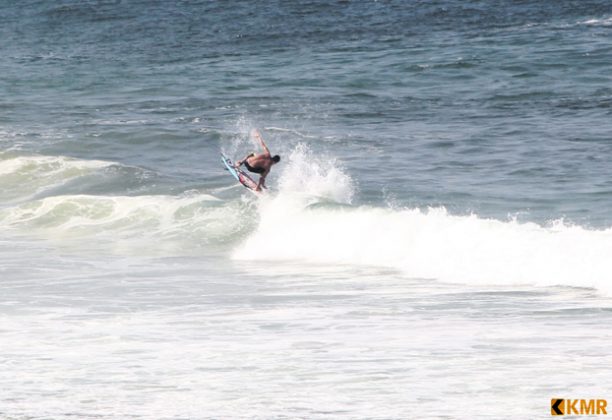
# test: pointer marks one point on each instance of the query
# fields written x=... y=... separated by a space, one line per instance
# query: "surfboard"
x=240 y=175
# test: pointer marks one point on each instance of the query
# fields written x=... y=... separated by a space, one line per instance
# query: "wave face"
x=148 y=222
x=26 y=176
x=179 y=223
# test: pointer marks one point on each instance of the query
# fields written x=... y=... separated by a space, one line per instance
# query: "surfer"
x=259 y=163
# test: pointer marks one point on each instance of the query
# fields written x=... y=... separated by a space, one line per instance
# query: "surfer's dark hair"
x=276 y=158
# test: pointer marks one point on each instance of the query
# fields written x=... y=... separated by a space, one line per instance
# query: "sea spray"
x=315 y=176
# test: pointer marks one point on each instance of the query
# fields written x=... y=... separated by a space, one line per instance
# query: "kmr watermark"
x=569 y=407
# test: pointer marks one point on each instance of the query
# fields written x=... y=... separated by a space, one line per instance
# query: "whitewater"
x=215 y=301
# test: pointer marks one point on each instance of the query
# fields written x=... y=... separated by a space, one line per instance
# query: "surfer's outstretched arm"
x=258 y=137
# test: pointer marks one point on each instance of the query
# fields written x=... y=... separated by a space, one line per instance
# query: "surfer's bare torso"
x=260 y=163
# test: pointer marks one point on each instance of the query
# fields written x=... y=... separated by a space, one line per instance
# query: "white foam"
x=305 y=174
x=434 y=244
x=421 y=243
x=598 y=22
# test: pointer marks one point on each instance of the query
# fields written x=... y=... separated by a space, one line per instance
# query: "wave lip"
x=46 y=164
x=26 y=176
x=150 y=222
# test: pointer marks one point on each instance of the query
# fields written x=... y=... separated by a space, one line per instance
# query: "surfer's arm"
x=260 y=139
x=240 y=162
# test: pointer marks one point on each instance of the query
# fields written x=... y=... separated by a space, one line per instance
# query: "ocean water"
x=436 y=241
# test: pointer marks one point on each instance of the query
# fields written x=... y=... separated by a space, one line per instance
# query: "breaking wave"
x=423 y=243
x=309 y=219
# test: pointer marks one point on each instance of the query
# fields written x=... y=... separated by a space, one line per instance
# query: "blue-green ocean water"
x=495 y=108
x=440 y=213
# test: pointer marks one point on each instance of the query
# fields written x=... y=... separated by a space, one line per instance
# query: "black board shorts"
x=254 y=170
